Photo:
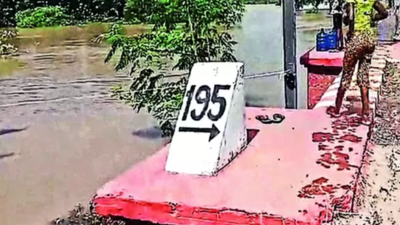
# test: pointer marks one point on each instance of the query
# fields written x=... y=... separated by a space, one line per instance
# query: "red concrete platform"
x=318 y=84
x=325 y=59
x=322 y=69
x=296 y=172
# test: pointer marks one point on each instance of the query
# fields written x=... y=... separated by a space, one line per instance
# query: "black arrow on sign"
x=213 y=130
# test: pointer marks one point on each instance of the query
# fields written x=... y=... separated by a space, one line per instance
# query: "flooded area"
x=62 y=136
x=53 y=64
x=73 y=137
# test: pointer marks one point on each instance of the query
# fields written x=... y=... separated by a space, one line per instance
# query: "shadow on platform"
x=3 y=156
x=9 y=131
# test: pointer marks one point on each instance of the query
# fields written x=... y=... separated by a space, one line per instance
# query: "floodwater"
x=76 y=137
x=55 y=55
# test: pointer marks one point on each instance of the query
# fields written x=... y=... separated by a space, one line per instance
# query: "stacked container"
x=326 y=40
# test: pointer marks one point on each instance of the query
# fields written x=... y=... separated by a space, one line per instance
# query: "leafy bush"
x=42 y=17
x=185 y=32
x=6 y=47
x=252 y=2
x=80 y=10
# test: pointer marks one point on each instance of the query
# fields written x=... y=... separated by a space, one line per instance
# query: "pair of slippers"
x=276 y=118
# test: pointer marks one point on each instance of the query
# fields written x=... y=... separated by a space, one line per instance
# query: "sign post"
x=289 y=51
x=211 y=130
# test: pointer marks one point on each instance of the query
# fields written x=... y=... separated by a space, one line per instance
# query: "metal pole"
x=289 y=52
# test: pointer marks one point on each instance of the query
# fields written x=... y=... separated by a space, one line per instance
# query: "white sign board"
x=210 y=130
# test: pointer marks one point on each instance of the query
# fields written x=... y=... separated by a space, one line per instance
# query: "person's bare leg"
x=341 y=44
x=363 y=77
x=349 y=64
x=339 y=99
x=365 y=101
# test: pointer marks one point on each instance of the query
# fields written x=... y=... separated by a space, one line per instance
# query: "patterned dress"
x=361 y=46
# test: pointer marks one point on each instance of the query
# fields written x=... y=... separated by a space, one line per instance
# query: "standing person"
x=396 y=36
x=359 y=48
x=337 y=21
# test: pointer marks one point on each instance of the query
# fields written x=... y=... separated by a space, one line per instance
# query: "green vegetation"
x=42 y=17
x=185 y=32
x=33 y=13
x=253 y=2
x=79 y=11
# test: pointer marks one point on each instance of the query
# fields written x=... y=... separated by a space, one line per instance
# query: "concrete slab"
x=296 y=172
x=323 y=68
x=325 y=59
x=318 y=84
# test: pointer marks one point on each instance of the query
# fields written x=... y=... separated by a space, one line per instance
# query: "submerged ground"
x=62 y=137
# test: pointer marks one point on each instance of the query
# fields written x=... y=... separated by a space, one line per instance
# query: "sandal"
x=276 y=118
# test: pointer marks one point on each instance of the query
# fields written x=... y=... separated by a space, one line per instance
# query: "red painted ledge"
x=296 y=172
x=313 y=58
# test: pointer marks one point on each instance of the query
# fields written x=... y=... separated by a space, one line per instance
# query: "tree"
x=185 y=32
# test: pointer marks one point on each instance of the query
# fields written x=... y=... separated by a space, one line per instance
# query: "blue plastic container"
x=332 y=40
x=322 y=41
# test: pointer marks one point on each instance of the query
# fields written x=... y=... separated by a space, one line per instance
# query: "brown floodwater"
x=58 y=86
x=69 y=52
x=61 y=52
x=57 y=55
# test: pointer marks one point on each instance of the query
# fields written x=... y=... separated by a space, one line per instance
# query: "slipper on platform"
x=276 y=118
